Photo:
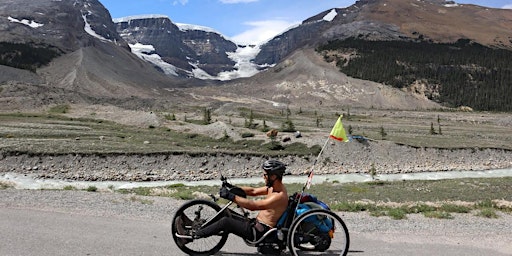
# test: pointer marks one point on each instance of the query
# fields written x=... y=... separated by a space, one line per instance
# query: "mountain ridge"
x=95 y=62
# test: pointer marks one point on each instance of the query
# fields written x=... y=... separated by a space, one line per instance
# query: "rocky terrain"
x=338 y=158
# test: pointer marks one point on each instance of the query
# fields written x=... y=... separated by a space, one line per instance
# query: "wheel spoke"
x=192 y=215
x=318 y=232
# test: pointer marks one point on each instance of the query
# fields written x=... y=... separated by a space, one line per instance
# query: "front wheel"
x=188 y=219
x=318 y=232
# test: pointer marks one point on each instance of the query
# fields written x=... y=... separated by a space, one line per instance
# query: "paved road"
x=28 y=232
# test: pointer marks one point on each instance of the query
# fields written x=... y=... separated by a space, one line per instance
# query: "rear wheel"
x=188 y=219
x=318 y=232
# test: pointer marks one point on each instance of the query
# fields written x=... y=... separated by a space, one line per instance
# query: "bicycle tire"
x=305 y=238
x=203 y=246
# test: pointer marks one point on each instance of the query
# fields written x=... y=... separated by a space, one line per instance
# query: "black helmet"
x=274 y=167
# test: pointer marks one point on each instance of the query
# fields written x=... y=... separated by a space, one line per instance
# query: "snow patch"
x=90 y=31
x=29 y=23
x=147 y=53
x=244 y=67
x=331 y=15
x=185 y=27
x=140 y=17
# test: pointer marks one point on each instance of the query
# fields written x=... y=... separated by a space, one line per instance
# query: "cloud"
x=262 y=31
x=237 y=1
x=508 y=6
x=182 y=2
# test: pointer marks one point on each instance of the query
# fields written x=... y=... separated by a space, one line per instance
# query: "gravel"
x=337 y=158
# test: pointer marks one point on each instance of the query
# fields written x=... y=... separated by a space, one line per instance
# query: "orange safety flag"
x=310 y=179
x=338 y=132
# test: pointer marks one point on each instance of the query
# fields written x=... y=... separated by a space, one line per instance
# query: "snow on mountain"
x=331 y=15
x=242 y=58
x=29 y=23
x=139 y=17
x=244 y=66
x=185 y=27
x=147 y=53
x=91 y=31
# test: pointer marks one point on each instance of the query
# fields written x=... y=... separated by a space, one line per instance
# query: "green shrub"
x=171 y=117
x=397 y=213
x=183 y=195
x=350 y=207
x=274 y=145
x=192 y=135
x=485 y=204
x=247 y=135
x=177 y=185
x=92 y=189
x=487 y=213
x=421 y=208
x=455 y=208
x=5 y=185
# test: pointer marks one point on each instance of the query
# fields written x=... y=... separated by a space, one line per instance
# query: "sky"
x=244 y=21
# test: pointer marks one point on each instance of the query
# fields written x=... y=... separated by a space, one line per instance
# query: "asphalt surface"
x=26 y=231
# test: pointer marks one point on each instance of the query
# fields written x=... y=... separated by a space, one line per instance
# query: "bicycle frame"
x=283 y=235
x=250 y=243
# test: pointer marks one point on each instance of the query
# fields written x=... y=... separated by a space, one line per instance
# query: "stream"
x=19 y=181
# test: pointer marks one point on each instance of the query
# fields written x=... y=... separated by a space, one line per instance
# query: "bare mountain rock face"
x=69 y=51
x=58 y=24
x=186 y=49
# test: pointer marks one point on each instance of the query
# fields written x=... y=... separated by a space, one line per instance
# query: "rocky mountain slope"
x=80 y=57
x=434 y=20
x=84 y=57
x=305 y=80
x=189 y=49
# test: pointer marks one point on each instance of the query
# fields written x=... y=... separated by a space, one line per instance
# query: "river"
x=27 y=182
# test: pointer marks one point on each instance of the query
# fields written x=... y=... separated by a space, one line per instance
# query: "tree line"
x=466 y=73
x=26 y=56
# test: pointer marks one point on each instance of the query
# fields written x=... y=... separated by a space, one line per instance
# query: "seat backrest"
x=286 y=219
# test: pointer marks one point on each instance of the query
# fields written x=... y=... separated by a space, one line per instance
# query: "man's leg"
x=235 y=225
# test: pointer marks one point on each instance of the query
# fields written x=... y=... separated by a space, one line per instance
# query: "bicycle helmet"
x=274 y=167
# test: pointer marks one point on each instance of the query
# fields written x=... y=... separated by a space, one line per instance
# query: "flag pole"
x=337 y=133
x=310 y=174
x=310 y=177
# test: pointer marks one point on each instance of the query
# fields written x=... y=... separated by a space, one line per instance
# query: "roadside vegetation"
x=441 y=199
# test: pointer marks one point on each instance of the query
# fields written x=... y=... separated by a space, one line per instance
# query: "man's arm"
x=250 y=191
x=256 y=205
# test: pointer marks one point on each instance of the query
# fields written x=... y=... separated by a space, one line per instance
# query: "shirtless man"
x=270 y=208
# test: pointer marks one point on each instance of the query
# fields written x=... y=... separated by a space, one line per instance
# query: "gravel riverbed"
x=337 y=158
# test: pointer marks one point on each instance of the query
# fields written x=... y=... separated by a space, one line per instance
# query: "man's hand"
x=224 y=193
